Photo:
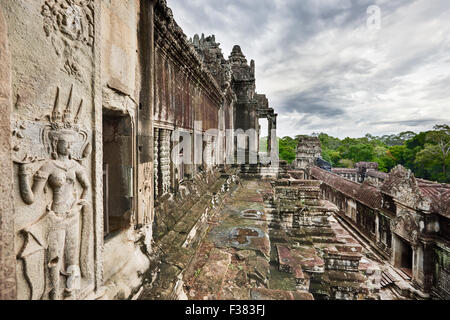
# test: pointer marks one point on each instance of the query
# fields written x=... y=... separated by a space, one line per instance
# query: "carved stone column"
x=7 y=256
x=145 y=155
x=164 y=160
x=156 y=160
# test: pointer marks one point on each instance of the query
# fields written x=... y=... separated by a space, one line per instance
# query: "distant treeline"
x=427 y=154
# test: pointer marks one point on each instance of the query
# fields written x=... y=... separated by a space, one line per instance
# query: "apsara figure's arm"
x=28 y=191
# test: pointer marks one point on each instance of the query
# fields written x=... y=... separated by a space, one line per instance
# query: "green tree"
x=358 y=152
x=263 y=144
x=441 y=138
x=427 y=153
x=288 y=149
x=346 y=163
x=427 y=163
x=328 y=142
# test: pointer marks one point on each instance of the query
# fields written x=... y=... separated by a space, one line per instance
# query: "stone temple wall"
x=7 y=256
x=90 y=97
x=55 y=134
x=164 y=159
x=127 y=98
x=73 y=63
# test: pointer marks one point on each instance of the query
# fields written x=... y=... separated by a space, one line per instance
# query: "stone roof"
x=241 y=70
x=368 y=165
x=211 y=54
x=170 y=38
x=439 y=195
x=364 y=193
x=343 y=170
x=399 y=183
x=377 y=174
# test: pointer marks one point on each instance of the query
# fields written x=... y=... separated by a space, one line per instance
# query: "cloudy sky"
x=325 y=70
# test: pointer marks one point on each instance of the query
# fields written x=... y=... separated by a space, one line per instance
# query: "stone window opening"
x=181 y=175
x=263 y=143
x=204 y=166
x=118 y=171
x=180 y=169
x=213 y=160
x=405 y=256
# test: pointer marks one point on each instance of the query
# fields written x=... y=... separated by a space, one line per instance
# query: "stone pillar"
x=377 y=227
x=273 y=130
x=164 y=160
x=145 y=154
x=155 y=161
x=7 y=256
x=190 y=167
x=269 y=136
x=423 y=267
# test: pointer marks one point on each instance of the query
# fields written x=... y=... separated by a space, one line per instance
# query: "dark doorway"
x=117 y=171
x=406 y=257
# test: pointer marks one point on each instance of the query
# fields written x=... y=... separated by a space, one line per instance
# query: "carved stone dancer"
x=59 y=227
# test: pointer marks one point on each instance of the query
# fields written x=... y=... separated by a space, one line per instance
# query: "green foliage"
x=433 y=160
x=397 y=139
x=288 y=148
x=263 y=144
x=427 y=154
x=346 y=163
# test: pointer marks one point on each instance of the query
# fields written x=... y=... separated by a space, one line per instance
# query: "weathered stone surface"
x=245 y=254
x=7 y=256
x=258 y=269
x=267 y=294
x=128 y=265
x=212 y=275
x=93 y=207
x=308 y=151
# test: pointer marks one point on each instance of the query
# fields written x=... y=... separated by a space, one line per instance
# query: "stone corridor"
x=234 y=256
x=248 y=254
x=131 y=169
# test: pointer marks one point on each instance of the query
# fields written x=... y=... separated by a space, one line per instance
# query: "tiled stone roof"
x=437 y=194
x=377 y=174
x=364 y=193
x=343 y=170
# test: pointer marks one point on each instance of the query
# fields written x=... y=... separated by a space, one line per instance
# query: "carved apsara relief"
x=57 y=247
x=70 y=25
x=146 y=189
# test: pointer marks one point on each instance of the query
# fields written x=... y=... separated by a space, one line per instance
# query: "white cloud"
x=323 y=70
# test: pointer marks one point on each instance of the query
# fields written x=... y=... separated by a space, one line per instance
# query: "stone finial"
x=196 y=40
x=237 y=57
x=236 y=50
